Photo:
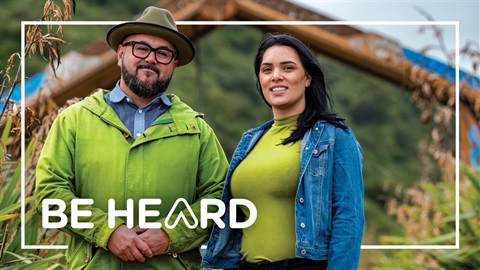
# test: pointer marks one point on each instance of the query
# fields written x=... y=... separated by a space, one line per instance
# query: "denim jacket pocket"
x=318 y=162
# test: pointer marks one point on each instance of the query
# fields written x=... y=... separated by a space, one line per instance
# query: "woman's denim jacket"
x=329 y=213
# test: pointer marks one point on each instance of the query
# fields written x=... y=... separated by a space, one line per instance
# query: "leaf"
x=14 y=207
x=8 y=217
x=6 y=130
x=19 y=257
x=443 y=239
x=42 y=263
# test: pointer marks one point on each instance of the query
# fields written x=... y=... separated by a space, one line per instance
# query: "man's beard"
x=145 y=89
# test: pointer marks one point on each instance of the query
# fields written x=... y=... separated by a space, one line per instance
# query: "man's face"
x=147 y=78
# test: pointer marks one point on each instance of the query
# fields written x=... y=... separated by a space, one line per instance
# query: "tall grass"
x=428 y=217
x=13 y=254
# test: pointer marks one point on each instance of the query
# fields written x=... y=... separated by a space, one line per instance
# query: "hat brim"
x=185 y=48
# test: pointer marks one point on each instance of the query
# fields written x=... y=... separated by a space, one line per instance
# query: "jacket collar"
x=179 y=113
x=117 y=95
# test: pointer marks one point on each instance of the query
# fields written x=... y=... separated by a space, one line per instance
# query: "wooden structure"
x=369 y=52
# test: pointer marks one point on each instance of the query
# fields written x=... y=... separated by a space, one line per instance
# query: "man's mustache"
x=152 y=67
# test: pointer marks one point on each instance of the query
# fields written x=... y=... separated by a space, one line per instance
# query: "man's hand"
x=156 y=239
x=126 y=244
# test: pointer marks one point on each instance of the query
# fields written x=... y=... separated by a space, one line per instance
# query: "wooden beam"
x=320 y=40
x=359 y=50
x=182 y=10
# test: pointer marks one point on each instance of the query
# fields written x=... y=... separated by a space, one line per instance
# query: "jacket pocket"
x=318 y=161
x=190 y=259
x=79 y=254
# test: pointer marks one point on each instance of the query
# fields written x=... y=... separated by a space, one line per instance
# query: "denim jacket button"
x=303 y=252
x=315 y=151
x=302 y=225
x=301 y=200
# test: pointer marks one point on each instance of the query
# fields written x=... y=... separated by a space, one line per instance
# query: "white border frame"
x=379 y=247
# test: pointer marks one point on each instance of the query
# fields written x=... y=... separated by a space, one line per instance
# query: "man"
x=135 y=142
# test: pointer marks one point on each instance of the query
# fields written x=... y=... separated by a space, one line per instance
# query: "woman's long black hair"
x=318 y=102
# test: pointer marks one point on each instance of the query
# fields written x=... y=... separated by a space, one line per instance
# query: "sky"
x=466 y=12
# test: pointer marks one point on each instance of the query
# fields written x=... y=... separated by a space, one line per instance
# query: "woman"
x=302 y=170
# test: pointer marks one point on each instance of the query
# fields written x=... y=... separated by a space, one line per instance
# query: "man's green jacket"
x=89 y=153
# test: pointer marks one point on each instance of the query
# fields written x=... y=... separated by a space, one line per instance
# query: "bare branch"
x=438 y=33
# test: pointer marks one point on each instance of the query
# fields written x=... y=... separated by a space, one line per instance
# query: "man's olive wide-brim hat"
x=156 y=22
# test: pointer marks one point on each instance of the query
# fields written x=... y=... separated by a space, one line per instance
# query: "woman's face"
x=283 y=80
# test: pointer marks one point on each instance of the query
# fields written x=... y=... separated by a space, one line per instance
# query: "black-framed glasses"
x=142 y=50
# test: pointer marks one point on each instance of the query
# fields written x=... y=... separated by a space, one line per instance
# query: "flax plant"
x=12 y=256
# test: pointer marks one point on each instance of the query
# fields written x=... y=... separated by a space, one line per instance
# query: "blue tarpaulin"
x=440 y=68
